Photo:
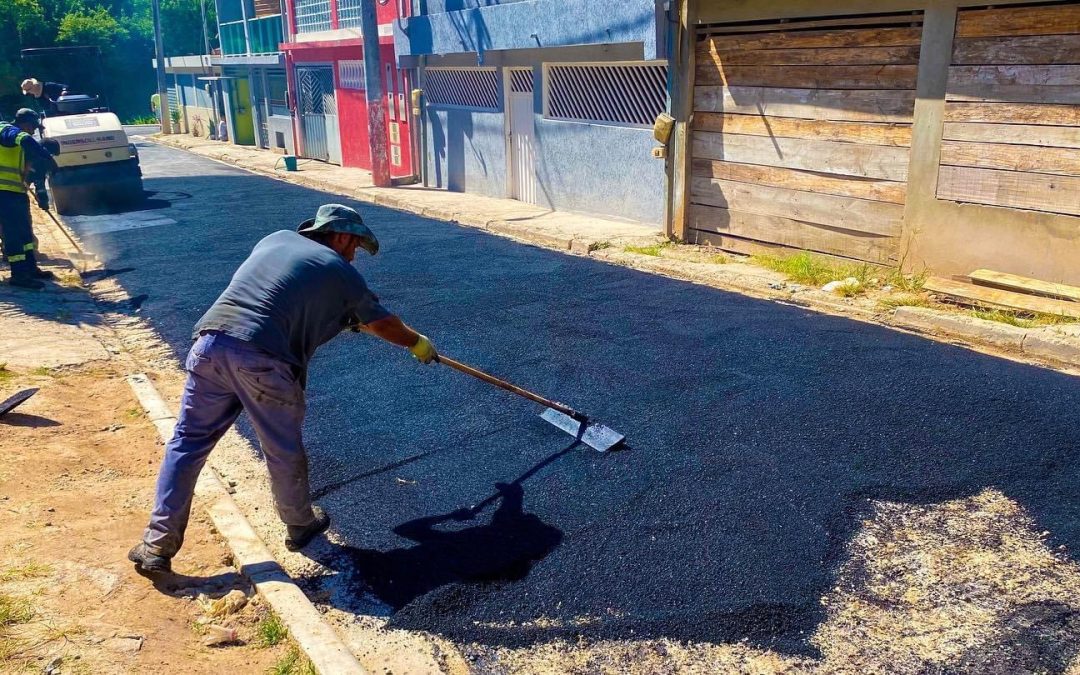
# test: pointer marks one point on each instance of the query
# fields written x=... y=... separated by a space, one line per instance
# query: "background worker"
x=22 y=161
x=45 y=92
x=296 y=291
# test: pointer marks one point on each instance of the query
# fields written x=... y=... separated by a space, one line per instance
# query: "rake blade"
x=594 y=434
x=16 y=400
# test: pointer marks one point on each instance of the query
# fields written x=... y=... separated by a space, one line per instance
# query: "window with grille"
x=350 y=74
x=348 y=13
x=312 y=16
x=463 y=87
x=609 y=93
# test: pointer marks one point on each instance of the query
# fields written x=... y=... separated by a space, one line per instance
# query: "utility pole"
x=205 y=34
x=380 y=155
x=162 y=88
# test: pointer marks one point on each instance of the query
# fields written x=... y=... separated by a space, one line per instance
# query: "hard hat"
x=27 y=116
x=338 y=218
x=31 y=87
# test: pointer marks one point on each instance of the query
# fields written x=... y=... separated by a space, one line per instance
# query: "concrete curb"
x=318 y=639
x=1040 y=343
x=987 y=332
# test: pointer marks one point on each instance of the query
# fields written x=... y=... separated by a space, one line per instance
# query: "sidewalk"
x=534 y=224
x=643 y=247
x=76 y=485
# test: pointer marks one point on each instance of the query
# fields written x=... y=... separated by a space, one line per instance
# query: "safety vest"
x=13 y=166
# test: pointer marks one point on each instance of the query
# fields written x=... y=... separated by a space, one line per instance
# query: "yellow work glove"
x=423 y=350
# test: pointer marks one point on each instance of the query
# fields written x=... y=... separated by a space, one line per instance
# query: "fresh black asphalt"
x=758 y=432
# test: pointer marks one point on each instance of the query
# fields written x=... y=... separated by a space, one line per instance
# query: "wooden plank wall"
x=1012 y=112
x=802 y=134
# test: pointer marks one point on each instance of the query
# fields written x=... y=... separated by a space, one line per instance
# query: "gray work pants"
x=225 y=376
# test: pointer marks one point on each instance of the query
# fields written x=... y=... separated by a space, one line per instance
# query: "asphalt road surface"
x=757 y=432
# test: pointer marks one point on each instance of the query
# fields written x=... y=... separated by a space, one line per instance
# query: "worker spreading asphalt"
x=758 y=433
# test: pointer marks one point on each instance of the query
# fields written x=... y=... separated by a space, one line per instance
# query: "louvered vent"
x=614 y=93
x=463 y=87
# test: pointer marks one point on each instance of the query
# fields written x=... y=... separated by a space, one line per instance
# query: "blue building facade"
x=547 y=101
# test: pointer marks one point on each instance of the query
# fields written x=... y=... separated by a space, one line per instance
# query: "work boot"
x=299 y=537
x=147 y=561
x=24 y=282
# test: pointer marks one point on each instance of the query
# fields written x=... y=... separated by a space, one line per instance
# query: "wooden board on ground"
x=855 y=105
x=1039 y=192
x=981 y=295
x=1013 y=113
x=891 y=134
x=1051 y=20
x=1017 y=283
x=807 y=181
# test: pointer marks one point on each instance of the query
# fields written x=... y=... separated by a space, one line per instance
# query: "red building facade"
x=324 y=59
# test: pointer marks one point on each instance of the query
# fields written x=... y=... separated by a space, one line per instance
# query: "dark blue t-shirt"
x=290 y=296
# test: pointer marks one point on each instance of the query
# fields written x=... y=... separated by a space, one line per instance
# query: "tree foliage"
x=123 y=31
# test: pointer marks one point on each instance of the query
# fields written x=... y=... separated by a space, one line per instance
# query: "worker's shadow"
x=450 y=550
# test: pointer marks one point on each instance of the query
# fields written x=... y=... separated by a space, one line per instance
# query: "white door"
x=522 y=129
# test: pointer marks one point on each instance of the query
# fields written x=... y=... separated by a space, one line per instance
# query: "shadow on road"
x=503 y=549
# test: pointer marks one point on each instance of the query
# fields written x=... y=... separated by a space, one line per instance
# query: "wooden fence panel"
x=802 y=133
x=1012 y=128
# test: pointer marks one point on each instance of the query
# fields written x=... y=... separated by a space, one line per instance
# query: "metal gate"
x=318 y=114
x=522 y=130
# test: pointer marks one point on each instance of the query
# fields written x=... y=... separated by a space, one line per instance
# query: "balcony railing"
x=265 y=35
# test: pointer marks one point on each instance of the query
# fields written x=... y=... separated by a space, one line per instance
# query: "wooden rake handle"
x=512 y=388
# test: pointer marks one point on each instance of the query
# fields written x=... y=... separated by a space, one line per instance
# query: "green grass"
x=1022 y=319
x=134 y=413
x=599 y=246
x=293 y=663
x=142 y=119
x=5 y=374
x=653 y=250
x=14 y=611
x=910 y=283
x=270 y=631
x=30 y=570
x=810 y=270
x=42 y=371
x=904 y=300
x=719 y=259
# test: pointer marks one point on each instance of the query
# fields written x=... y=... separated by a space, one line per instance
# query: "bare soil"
x=76 y=484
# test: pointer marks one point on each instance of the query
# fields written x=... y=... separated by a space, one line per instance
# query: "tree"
x=91 y=27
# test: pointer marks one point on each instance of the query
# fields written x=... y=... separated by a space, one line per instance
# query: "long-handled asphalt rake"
x=578 y=425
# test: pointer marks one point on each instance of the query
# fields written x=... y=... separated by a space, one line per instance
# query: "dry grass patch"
x=1022 y=319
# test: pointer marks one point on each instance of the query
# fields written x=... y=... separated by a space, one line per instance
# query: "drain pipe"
x=419 y=114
